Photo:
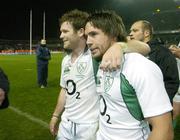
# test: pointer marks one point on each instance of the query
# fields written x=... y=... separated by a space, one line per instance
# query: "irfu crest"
x=81 y=67
x=108 y=83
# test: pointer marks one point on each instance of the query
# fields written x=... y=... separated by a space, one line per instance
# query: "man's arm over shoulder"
x=138 y=46
x=114 y=54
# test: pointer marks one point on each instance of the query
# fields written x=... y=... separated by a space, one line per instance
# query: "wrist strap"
x=56 y=116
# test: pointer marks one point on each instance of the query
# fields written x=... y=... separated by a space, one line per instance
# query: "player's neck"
x=77 y=51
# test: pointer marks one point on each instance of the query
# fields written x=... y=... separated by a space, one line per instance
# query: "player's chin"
x=94 y=54
x=97 y=56
x=67 y=47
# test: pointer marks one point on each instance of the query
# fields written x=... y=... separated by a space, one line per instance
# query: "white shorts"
x=69 y=130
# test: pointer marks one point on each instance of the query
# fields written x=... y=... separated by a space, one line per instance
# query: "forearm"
x=60 y=104
x=53 y=125
x=161 y=127
x=137 y=46
x=114 y=54
x=158 y=134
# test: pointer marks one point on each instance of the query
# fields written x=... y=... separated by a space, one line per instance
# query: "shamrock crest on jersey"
x=81 y=67
x=108 y=83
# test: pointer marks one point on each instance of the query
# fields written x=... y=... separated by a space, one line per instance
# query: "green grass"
x=27 y=97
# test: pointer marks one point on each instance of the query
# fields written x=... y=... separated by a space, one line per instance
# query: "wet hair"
x=76 y=17
x=109 y=22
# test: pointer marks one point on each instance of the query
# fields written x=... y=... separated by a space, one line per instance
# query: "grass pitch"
x=30 y=109
x=30 y=106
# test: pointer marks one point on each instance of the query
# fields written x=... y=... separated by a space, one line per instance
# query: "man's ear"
x=81 y=32
x=146 y=33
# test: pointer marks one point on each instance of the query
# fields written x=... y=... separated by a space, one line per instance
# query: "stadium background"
x=29 y=114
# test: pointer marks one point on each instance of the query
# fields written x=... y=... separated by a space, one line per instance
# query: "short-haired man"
x=142 y=30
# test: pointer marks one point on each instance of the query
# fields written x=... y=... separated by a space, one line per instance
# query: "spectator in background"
x=175 y=50
x=176 y=100
x=4 y=89
x=143 y=31
x=43 y=56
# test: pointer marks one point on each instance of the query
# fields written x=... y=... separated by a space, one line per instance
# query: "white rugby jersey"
x=116 y=122
x=82 y=102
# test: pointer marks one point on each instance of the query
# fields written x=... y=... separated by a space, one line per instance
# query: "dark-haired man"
x=129 y=97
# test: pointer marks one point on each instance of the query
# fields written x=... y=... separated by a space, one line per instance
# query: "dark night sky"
x=14 y=15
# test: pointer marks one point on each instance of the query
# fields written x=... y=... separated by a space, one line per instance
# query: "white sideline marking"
x=30 y=117
x=28 y=69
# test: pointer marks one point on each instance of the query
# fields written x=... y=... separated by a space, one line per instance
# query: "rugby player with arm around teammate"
x=129 y=96
x=78 y=101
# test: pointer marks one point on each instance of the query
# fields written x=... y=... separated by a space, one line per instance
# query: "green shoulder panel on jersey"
x=130 y=98
x=128 y=94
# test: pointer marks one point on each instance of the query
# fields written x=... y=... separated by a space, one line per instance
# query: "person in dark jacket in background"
x=142 y=30
x=43 y=56
x=176 y=100
x=175 y=50
x=4 y=90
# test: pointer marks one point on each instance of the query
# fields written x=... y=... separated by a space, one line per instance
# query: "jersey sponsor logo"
x=71 y=89
x=108 y=83
x=103 y=110
x=81 y=67
x=66 y=70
